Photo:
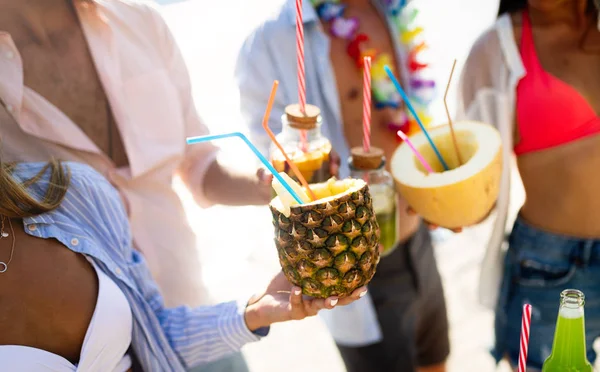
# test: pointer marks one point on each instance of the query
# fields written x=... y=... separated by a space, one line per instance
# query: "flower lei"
x=384 y=93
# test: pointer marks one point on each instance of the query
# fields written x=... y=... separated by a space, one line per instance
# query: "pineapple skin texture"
x=330 y=248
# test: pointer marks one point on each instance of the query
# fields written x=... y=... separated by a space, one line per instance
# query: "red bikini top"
x=549 y=111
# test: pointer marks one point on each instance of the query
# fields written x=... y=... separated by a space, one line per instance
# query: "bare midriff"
x=562 y=187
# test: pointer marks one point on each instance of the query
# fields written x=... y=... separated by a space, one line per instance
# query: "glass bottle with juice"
x=370 y=167
x=569 y=346
x=312 y=156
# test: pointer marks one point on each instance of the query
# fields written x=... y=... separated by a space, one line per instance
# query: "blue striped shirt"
x=92 y=221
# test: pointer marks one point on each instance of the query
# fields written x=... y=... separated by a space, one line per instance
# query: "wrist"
x=253 y=318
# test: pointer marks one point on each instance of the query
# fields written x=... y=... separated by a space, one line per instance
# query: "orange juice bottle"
x=312 y=157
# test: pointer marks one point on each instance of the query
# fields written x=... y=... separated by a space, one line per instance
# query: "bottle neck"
x=292 y=132
x=569 y=344
x=368 y=175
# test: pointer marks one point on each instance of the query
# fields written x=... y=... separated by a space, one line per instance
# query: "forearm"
x=206 y=334
x=230 y=187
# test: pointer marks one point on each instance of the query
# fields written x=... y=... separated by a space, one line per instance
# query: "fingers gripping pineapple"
x=328 y=247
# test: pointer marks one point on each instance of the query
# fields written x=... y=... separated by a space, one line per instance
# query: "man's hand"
x=282 y=302
x=334 y=163
x=229 y=187
x=265 y=178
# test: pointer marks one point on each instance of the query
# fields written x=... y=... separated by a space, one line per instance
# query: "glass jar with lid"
x=370 y=167
x=311 y=155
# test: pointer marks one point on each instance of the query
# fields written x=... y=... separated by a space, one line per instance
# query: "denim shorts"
x=538 y=267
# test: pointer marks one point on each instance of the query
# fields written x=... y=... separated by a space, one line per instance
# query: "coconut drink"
x=327 y=247
x=466 y=193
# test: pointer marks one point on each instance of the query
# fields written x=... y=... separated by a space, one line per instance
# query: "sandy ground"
x=210 y=32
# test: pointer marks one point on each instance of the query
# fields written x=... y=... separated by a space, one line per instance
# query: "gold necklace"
x=4 y=235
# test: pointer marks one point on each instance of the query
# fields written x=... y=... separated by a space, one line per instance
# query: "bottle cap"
x=298 y=120
x=363 y=160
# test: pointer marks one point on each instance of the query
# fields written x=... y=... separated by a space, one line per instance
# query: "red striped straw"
x=301 y=74
x=525 y=327
x=367 y=104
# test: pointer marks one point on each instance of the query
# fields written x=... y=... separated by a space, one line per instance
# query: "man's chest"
x=63 y=73
x=348 y=73
x=349 y=80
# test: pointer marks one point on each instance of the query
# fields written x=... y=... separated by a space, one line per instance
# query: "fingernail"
x=334 y=302
x=362 y=294
x=297 y=292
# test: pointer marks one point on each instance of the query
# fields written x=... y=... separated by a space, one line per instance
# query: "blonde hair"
x=17 y=202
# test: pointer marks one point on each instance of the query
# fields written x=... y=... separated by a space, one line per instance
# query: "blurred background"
x=236 y=243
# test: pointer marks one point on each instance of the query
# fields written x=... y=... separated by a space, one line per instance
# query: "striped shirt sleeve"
x=198 y=335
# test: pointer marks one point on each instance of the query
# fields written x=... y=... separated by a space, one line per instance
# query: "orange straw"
x=460 y=162
x=270 y=133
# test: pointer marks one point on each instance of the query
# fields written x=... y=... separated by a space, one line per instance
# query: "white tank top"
x=105 y=345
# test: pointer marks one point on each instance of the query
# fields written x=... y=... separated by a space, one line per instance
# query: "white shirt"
x=487 y=93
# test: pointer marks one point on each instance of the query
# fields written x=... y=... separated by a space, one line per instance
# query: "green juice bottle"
x=568 y=350
x=370 y=167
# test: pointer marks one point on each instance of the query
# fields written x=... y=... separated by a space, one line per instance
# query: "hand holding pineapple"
x=282 y=301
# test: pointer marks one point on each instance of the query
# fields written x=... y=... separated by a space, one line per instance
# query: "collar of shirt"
x=309 y=14
x=129 y=71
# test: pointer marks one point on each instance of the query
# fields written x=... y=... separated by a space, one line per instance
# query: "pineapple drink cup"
x=312 y=161
x=328 y=247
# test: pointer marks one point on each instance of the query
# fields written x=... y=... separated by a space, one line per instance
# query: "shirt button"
x=118 y=271
x=9 y=54
x=74 y=242
x=9 y=108
x=32 y=227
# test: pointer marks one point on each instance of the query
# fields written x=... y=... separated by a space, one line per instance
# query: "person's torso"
x=91 y=221
x=102 y=96
x=556 y=132
x=335 y=84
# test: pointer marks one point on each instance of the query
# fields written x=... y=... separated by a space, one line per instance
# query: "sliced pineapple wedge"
x=285 y=199
x=325 y=192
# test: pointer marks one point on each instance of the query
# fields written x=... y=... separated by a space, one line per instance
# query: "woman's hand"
x=282 y=301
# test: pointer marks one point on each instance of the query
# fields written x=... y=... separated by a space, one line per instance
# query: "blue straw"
x=414 y=113
x=193 y=140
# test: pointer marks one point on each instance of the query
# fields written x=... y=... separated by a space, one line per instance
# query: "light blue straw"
x=414 y=113
x=193 y=140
